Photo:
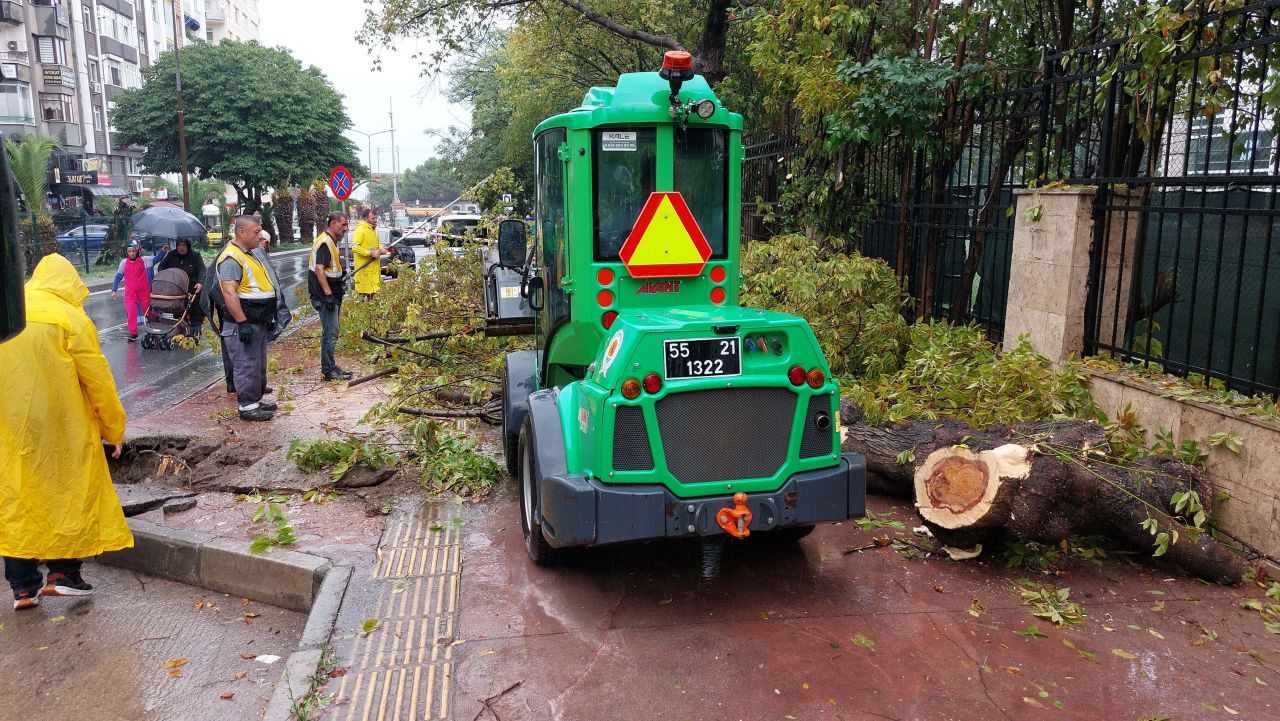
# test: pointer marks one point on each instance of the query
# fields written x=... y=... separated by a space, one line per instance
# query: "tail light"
x=796 y=376
x=652 y=383
x=608 y=318
x=816 y=378
x=631 y=389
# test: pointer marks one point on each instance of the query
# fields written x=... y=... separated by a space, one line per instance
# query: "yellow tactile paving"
x=401 y=671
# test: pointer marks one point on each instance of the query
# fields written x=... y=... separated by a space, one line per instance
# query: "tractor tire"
x=540 y=552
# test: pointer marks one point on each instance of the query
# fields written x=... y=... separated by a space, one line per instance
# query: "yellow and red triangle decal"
x=666 y=241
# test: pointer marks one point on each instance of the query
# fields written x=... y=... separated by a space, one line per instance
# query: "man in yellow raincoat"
x=366 y=250
x=57 y=503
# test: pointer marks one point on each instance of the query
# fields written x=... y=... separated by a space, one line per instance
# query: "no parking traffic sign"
x=340 y=183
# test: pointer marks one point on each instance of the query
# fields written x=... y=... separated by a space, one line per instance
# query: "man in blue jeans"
x=325 y=284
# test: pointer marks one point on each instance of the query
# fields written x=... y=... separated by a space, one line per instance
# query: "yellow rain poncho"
x=368 y=278
x=59 y=403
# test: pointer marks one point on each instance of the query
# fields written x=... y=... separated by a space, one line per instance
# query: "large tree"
x=460 y=26
x=254 y=116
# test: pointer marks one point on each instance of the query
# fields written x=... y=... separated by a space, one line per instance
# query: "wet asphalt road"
x=152 y=379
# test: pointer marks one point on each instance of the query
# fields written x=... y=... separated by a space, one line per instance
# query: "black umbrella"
x=167 y=222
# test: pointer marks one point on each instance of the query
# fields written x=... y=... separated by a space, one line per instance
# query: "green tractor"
x=655 y=406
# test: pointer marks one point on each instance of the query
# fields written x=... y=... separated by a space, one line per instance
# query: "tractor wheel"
x=542 y=553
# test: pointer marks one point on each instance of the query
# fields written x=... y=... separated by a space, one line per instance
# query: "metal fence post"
x=1046 y=104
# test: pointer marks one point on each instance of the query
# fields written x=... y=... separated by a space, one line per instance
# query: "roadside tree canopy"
x=255 y=118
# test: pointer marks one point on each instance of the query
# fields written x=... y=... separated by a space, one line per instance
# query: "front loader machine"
x=654 y=405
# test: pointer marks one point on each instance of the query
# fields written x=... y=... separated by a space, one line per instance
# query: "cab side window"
x=551 y=237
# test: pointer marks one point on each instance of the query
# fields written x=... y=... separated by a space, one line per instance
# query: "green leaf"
x=1123 y=654
x=261 y=544
x=863 y=641
x=369 y=626
x=1031 y=632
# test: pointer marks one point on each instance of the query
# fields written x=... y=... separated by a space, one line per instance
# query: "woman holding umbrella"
x=135 y=271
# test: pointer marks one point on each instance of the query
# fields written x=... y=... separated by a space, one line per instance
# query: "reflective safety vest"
x=255 y=281
x=334 y=268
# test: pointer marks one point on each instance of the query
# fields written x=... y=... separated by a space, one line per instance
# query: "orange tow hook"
x=736 y=521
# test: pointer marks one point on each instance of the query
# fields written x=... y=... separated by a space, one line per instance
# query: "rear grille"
x=719 y=435
x=630 y=441
x=816 y=442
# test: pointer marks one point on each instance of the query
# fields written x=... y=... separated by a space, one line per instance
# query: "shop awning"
x=106 y=191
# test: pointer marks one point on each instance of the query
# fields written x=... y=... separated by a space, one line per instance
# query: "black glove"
x=246 y=333
x=330 y=303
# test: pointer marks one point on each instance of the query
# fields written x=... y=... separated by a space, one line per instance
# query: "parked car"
x=83 y=237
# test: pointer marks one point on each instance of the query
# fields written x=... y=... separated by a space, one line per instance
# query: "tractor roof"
x=639 y=98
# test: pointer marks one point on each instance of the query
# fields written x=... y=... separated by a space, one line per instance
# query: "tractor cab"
x=654 y=405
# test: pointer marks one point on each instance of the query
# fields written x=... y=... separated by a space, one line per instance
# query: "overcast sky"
x=323 y=34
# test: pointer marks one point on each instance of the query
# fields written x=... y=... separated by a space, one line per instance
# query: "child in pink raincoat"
x=134 y=271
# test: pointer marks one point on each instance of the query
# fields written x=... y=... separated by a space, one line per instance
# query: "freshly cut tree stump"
x=1039 y=482
x=957 y=488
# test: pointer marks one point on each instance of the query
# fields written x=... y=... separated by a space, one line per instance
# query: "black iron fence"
x=1185 y=272
x=1185 y=166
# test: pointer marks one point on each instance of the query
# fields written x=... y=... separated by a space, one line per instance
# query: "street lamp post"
x=368 y=137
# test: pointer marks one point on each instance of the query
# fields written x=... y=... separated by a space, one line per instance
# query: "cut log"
x=1040 y=482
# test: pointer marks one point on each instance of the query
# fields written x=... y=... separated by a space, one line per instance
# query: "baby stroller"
x=167 y=316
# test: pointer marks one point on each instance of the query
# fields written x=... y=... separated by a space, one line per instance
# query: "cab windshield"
x=624 y=165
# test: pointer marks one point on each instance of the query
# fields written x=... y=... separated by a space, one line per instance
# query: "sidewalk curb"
x=289 y=579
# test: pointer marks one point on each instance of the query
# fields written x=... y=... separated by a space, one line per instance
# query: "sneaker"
x=60 y=584
x=257 y=414
x=267 y=406
x=25 y=599
x=332 y=377
x=133 y=337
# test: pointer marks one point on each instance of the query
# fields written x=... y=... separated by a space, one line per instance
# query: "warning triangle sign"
x=666 y=241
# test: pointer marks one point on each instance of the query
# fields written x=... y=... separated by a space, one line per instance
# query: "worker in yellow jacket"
x=367 y=251
x=57 y=503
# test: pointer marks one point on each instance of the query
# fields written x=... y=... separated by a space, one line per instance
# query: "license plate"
x=703 y=357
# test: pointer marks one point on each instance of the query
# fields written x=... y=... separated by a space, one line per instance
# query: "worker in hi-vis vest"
x=250 y=299
x=326 y=284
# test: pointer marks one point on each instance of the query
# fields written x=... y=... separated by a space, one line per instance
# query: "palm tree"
x=321 y=199
x=29 y=165
x=306 y=215
x=282 y=210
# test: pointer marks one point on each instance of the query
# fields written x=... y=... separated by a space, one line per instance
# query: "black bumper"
x=580 y=511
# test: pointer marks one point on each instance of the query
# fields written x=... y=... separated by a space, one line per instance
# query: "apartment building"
x=63 y=62
x=231 y=20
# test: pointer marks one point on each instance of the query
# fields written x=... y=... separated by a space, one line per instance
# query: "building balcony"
x=15 y=56
x=58 y=78
x=17 y=120
x=215 y=14
x=67 y=133
x=12 y=12
x=15 y=71
x=51 y=21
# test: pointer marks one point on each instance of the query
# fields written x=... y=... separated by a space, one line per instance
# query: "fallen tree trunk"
x=1038 y=482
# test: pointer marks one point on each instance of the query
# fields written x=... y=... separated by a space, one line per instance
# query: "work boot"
x=267 y=406
x=29 y=598
x=332 y=376
x=61 y=584
x=257 y=414
x=231 y=387
x=344 y=375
